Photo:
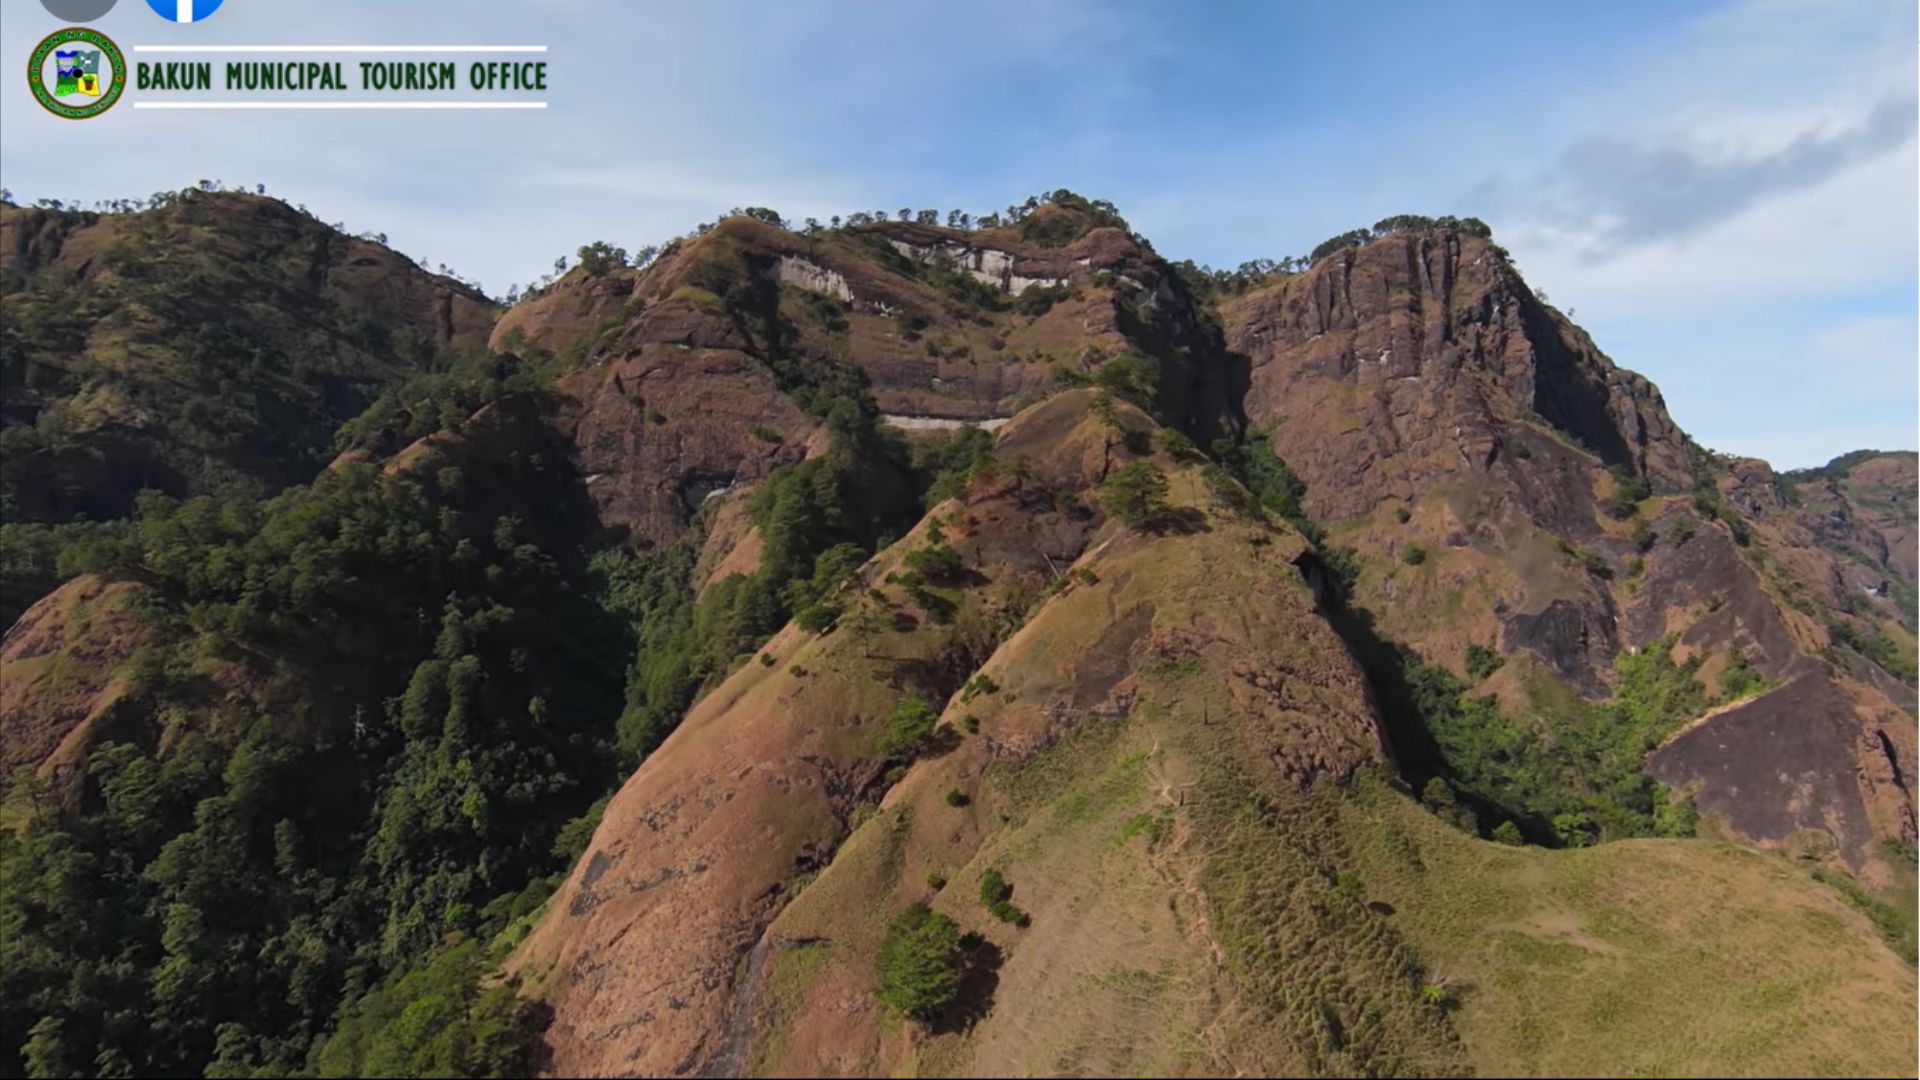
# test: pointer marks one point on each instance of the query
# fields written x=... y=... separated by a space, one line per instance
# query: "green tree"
x=1482 y=662
x=1136 y=493
x=919 y=963
x=45 y=1052
x=907 y=730
x=1738 y=678
x=1623 y=501
x=1574 y=829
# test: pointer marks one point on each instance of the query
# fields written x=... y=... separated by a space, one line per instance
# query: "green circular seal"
x=77 y=73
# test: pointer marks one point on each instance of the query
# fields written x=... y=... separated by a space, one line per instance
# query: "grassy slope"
x=1643 y=957
x=1187 y=915
x=1193 y=915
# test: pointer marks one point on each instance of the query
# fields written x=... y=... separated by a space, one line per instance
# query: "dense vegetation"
x=245 y=367
x=216 y=897
x=1564 y=771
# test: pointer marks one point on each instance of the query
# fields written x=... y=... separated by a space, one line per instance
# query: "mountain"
x=900 y=648
x=199 y=345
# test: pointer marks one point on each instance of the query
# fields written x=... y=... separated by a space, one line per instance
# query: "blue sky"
x=1724 y=194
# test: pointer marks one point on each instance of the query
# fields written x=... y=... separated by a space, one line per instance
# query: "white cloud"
x=1855 y=231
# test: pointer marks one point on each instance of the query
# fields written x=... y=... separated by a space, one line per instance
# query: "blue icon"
x=184 y=10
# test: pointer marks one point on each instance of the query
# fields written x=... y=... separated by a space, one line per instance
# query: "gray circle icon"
x=77 y=11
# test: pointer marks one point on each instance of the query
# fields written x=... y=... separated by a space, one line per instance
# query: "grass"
x=1645 y=957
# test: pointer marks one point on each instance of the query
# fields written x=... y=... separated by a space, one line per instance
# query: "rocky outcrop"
x=985 y=265
x=1398 y=365
x=1861 y=511
x=655 y=433
x=802 y=274
x=1418 y=370
x=1792 y=762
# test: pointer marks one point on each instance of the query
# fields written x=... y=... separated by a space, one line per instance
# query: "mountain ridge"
x=1487 y=581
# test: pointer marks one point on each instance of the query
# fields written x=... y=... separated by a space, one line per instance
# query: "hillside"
x=892 y=648
x=214 y=341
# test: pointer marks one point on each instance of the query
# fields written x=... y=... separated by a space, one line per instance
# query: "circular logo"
x=77 y=11
x=184 y=10
x=77 y=73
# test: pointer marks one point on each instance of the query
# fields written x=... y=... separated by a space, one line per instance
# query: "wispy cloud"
x=1622 y=190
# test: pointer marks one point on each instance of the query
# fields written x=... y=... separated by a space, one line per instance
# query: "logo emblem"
x=77 y=73
x=184 y=10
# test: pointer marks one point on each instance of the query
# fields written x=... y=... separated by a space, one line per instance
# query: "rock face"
x=1860 y=508
x=654 y=434
x=1418 y=374
x=1421 y=355
x=1798 y=761
x=680 y=390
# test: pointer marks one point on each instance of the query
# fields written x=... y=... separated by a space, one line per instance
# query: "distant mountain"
x=894 y=648
x=217 y=340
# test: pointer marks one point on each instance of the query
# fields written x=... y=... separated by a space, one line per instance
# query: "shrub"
x=1036 y=300
x=1674 y=816
x=919 y=963
x=1136 y=493
x=979 y=684
x=1175 y=445
x=1482 y=661
x=1413 y=555
x=1574 y=829
x=1344 y=564
x=996 y=896
x=971 y=723
x=1132 y=375
x=1507 y=833
x=1644 y=537
x=956 y=797
x=815 y=618
x=1438 y=797
x=1402 y=515
x=1628 y=490
x=936 y=881
x=1593 y=562
x=1738 y=679
x=939 y=562
x=907 y=730
x=994 y=888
